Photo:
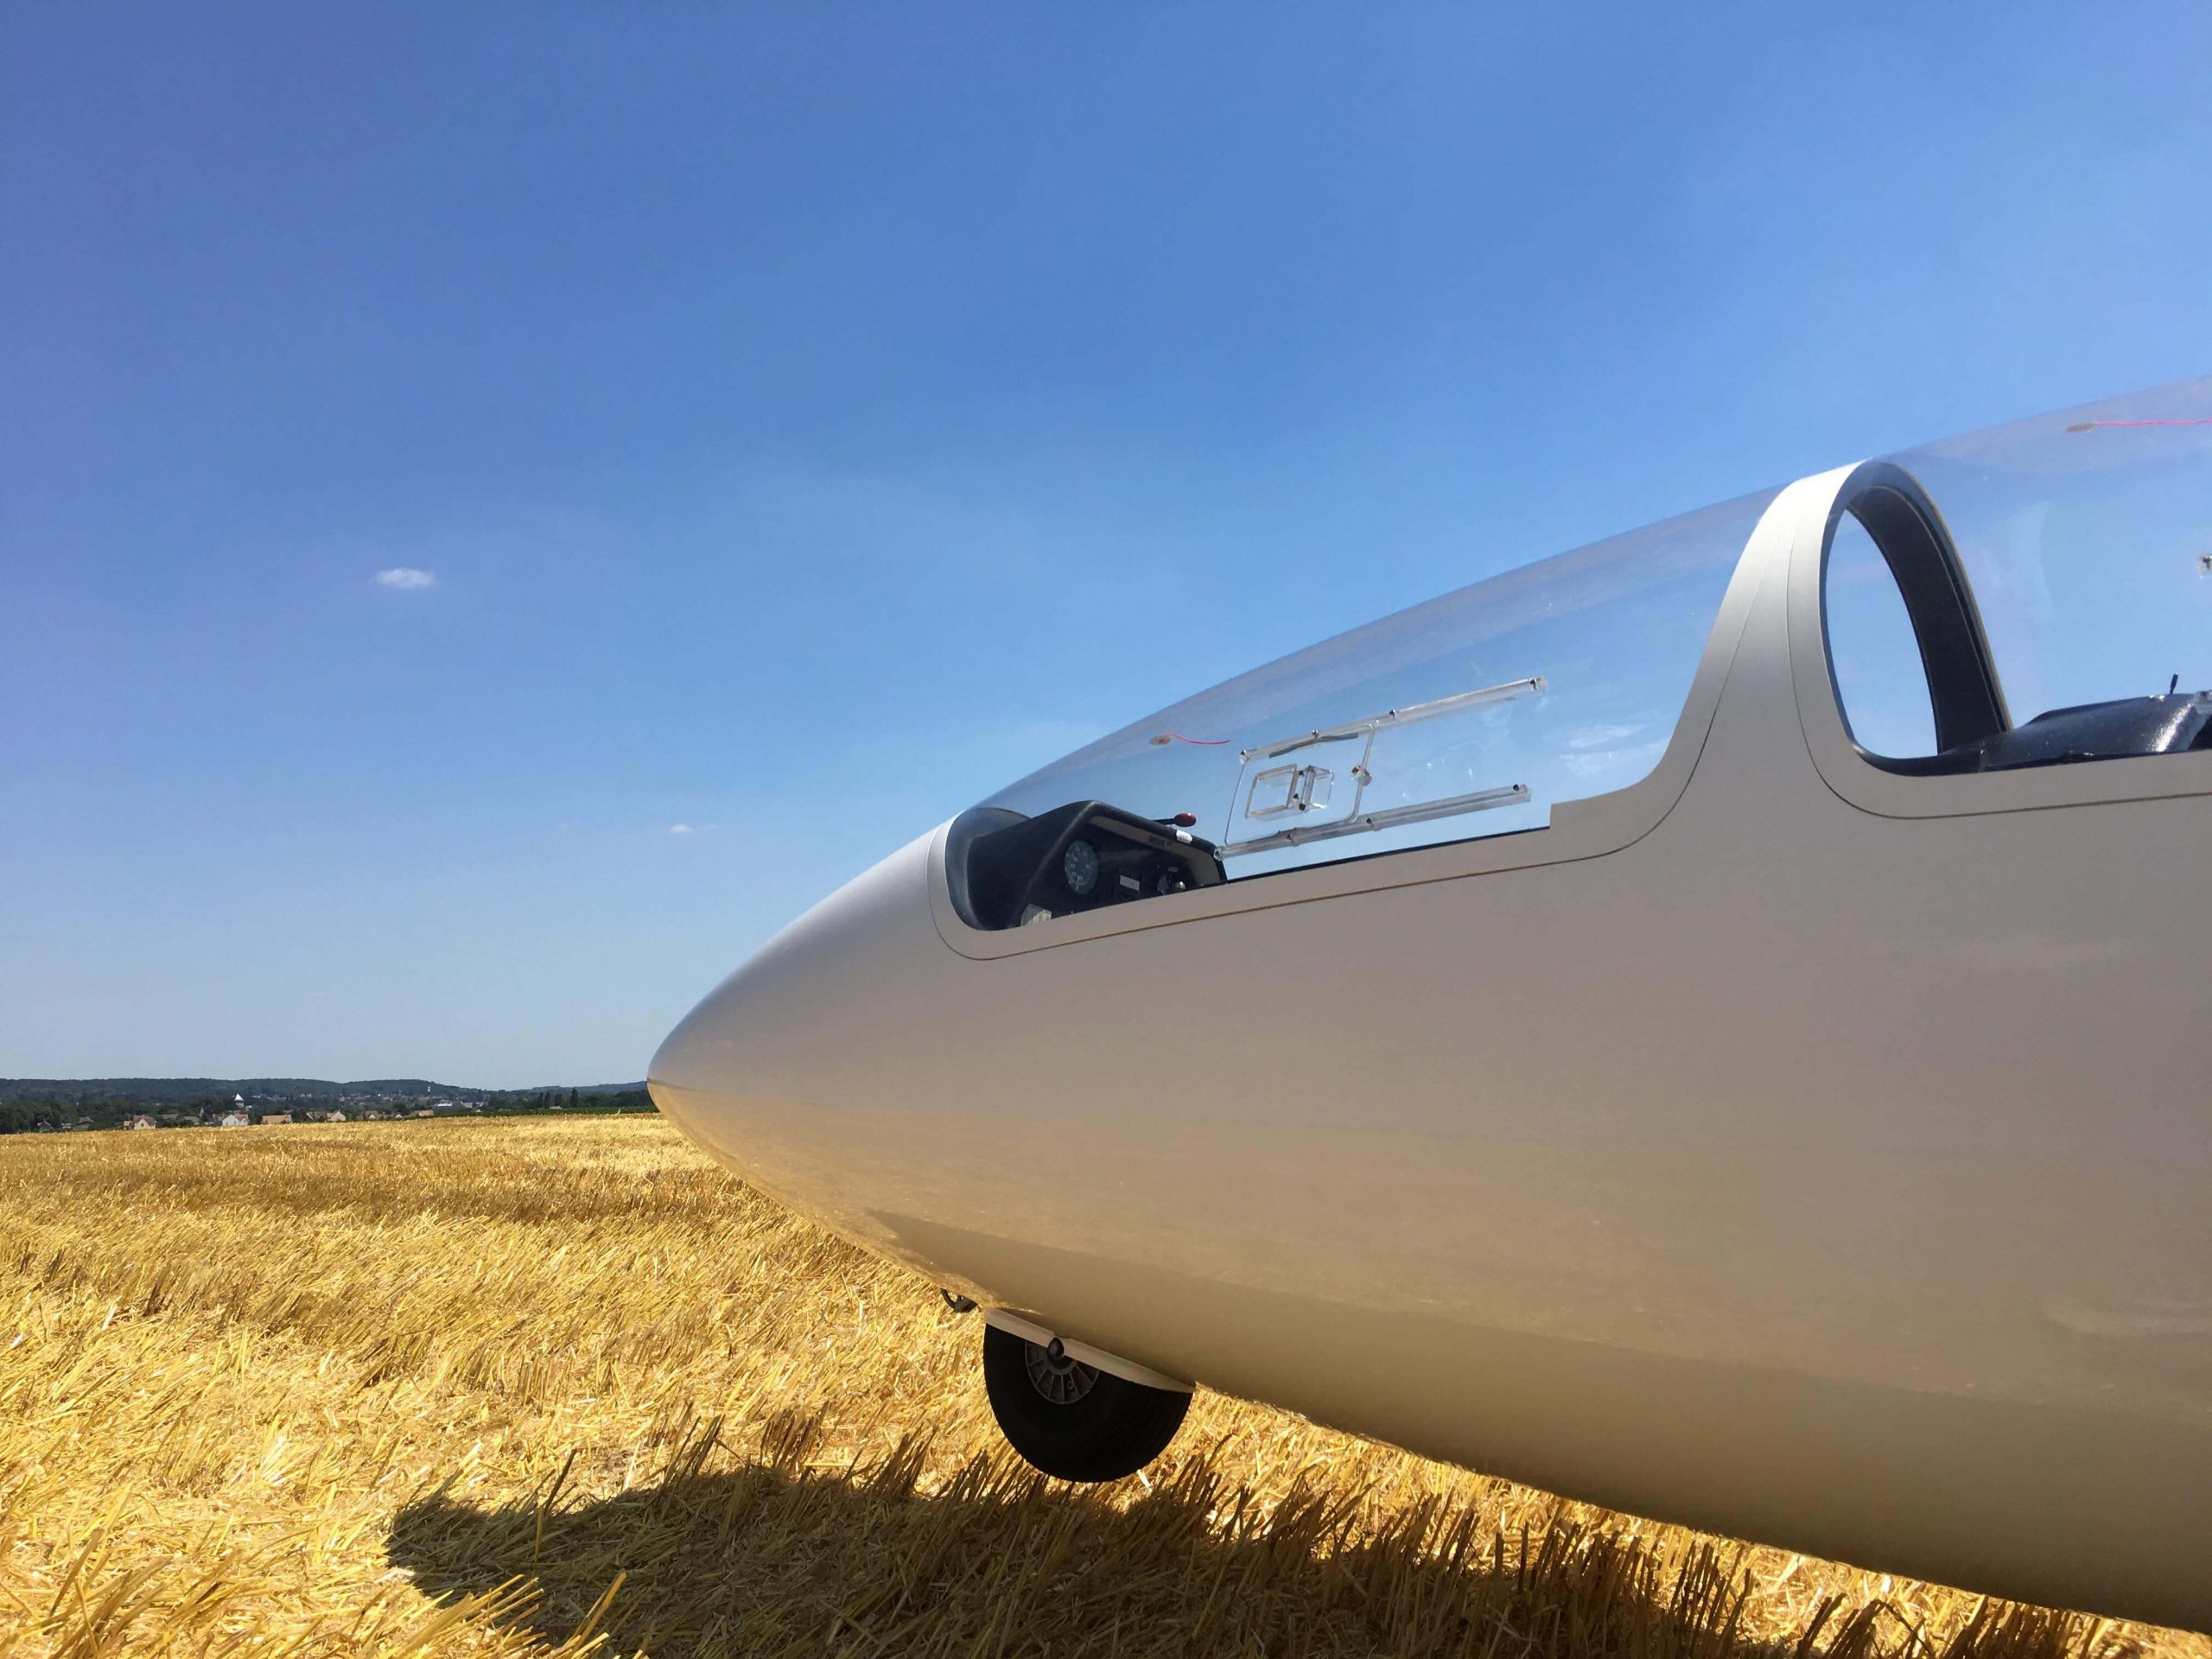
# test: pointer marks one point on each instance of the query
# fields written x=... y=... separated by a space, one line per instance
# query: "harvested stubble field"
x=560 y=1387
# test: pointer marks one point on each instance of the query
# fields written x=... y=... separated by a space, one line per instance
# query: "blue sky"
x=815 y=418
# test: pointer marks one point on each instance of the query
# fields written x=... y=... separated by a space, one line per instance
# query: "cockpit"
x=2068 y=567
x=1474 y=715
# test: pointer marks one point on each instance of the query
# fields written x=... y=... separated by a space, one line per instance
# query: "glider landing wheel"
x=1070 y=1419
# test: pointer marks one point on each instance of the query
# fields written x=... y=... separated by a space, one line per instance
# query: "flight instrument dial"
x=1080 y=867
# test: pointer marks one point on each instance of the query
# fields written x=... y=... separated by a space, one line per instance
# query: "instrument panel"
x=1008 y=871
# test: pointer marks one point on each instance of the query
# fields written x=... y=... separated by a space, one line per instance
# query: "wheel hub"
x=1053 y=1374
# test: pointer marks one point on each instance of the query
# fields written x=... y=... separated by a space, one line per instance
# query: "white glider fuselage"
x=1778 y=1144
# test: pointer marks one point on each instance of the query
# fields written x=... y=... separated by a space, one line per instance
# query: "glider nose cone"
x=817 y=1017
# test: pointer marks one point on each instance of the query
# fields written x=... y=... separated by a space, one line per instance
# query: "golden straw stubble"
x=561 y=1386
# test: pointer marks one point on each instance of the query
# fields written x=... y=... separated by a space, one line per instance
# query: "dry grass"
x=559 y=1386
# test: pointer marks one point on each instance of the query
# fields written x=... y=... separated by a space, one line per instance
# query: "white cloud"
x=405 y=578
x=680 y=829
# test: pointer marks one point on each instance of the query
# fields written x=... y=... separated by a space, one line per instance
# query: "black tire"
x=1089 y=1425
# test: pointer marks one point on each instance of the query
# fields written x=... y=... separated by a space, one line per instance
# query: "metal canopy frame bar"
x=1479 y=800
x=1364 y=732
x=1405 y=716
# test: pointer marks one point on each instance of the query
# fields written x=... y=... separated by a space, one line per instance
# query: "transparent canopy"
x=1475 y=714
x=2087 y=537
x=2082 y=631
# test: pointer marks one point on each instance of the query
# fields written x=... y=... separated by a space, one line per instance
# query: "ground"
x=482 y=1387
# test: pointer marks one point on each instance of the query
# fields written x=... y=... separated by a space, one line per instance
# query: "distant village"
x=145 y=1103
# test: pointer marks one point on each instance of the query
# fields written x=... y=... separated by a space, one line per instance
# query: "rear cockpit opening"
x=2054 y=563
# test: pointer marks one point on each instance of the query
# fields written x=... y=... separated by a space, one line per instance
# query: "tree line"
x=92 y=1112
